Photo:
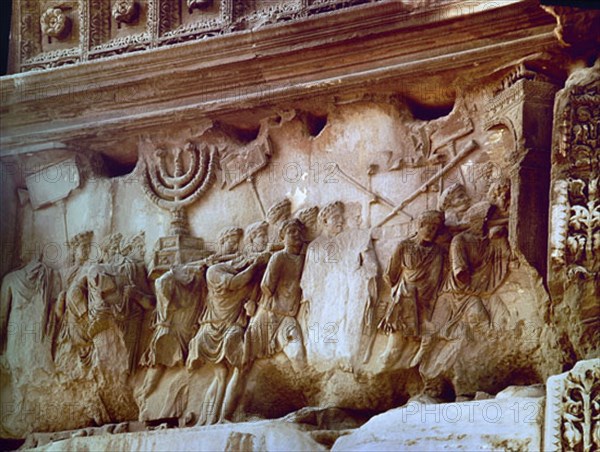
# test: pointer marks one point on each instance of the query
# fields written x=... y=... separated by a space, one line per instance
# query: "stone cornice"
x=380 y=47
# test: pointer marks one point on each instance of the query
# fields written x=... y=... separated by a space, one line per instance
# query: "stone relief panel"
x=356 y=264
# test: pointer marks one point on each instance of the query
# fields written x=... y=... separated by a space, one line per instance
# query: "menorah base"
x=175 y=250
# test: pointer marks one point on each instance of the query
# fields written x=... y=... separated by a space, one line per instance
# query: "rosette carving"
x=55 y=23
x=125 y=11
x=198 y=4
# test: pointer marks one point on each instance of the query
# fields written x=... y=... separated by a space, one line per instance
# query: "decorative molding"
x=208 y=85
x=165 y=25
x=30 y=31
x=99 y=22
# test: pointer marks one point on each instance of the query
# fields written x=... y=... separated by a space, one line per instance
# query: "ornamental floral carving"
x=576 y=215
x=583 y=241
x=125 y=11
x=198 y=4
x=55 y=23
x=580 y=426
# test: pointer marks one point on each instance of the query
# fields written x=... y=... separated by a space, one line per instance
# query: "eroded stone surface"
x=268 y=435
x=506 y=424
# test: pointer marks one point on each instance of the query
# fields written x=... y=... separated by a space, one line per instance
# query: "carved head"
x=429 y=223
x=499 y=194
x=455 y=198
x=257 y=236
x=292 y=234
x=309 y=217
x=279 y=212
x=111 y=246
x=134 y=249
x=80 y=247
x=332 y=218
x=477 y=216
x=229 y=240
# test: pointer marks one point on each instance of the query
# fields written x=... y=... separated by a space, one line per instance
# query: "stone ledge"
x=310 y=59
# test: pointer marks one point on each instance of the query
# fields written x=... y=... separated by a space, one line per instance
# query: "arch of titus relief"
x=300 y=225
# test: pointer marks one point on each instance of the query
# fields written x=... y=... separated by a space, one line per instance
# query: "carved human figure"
x=454 y=202
x=274 y=328
x=479 y=263
x=180 y=299
x=180 y=295
x=178 y=304
x=27 y=299
x=276 y=215
x=257 y=242
x=415 y=274
x=73 y=346
x=341 y=264
x=117 y=295
x=499 y=196
x=584 y=128
x=256 y=237
x=310 y=219
x=219 y=339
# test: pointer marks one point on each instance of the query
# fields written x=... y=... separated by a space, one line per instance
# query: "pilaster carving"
x=573 y=409
x=574 y=265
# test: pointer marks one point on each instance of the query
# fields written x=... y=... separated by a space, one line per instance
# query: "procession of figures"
x=256 y=295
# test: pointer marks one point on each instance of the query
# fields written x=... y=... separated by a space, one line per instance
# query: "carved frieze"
x=343 y=257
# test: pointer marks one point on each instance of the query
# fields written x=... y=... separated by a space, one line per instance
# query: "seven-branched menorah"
x=174 y=192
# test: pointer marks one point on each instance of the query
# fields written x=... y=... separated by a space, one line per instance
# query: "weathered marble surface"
x=494 y=424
